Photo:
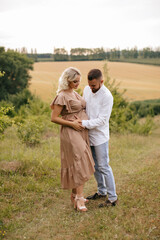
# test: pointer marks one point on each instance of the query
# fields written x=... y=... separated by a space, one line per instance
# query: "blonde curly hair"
x=69 y=75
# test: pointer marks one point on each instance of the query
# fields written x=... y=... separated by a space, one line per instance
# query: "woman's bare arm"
x=56 y=119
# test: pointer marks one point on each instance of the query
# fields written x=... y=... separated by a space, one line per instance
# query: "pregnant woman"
x=77 y=164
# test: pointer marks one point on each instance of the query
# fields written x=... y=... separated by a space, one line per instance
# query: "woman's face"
x=75 y=83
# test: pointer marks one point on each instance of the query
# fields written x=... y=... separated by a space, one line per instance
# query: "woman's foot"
x=79 y=204
x=73 y=195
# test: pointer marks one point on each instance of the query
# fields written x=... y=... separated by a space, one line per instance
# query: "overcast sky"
x=45 y=24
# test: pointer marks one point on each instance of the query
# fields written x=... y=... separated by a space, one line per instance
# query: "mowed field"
x=141 y=81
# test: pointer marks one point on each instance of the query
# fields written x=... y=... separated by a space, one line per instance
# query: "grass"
x=141 y=81
x=148 y=61
x=33 y=205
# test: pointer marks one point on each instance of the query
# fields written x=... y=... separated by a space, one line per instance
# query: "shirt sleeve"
x=103 y=117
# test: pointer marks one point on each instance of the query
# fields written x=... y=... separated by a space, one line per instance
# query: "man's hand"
x=77 y=125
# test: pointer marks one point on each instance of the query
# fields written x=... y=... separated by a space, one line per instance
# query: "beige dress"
x=77 y=164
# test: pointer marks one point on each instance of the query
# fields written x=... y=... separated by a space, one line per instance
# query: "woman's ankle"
x=79 y=196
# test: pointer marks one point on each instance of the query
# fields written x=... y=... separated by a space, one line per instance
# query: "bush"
x=123 y=117
x=8 y=105
x=143 y=128
x=31 y=130
x=21 y=98
x=146 y=107
x=24 y=104
x=5 y=121
x=16 y=101
x=2 y=73
x=34 y=107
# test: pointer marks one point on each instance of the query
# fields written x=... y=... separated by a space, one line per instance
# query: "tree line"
x=89 y=54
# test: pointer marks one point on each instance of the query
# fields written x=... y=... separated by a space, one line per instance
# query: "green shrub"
x=143 y=128
x=5 y=121
x=146 y=107
x=20 y=99
x=23 y=105
x=124 y=117
x=17 y=101
x=8 y=105
x=35 y=107
x=31 y=130
x=2 y=73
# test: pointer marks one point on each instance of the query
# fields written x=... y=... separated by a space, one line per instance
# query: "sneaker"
x=108 y=203
x=96 y=196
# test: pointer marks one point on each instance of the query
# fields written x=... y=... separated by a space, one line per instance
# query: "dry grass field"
x=141 y=81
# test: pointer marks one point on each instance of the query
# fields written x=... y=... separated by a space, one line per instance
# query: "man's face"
x=95 y=84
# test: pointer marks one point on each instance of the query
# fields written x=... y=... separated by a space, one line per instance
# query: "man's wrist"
x=84 y=122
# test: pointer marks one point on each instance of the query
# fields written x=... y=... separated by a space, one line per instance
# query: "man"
x=99 y=102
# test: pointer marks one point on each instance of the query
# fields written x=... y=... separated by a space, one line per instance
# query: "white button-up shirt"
x=98 y=108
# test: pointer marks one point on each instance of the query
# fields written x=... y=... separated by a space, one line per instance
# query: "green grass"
x=33 y=206
x=148 y=61
x=45 y=60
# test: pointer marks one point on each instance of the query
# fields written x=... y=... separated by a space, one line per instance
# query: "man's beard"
x=95 y=90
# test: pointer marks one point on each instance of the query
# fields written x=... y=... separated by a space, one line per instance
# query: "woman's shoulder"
x=58 y=99
x=63 y=93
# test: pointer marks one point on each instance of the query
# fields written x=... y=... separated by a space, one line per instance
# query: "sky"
x=49 y=24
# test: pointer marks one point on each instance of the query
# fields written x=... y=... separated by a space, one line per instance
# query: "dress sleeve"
x=60 y=100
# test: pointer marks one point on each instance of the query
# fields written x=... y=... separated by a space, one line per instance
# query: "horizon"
x=157 y=48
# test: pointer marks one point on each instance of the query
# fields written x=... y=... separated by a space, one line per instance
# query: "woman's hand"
x=78 y=119
x=77 y=126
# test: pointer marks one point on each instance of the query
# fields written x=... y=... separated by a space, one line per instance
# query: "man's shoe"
x=108 y=203
x=96 y=196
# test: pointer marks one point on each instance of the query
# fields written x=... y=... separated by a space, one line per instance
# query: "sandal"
x=78 y=204
x=73 y=195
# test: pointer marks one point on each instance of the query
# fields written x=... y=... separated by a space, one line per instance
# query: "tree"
x=16 y=67
x=24 y=50
x=82 y=54
x=60 y=54
x=35 y=55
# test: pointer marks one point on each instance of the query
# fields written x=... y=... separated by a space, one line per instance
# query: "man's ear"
x=102 y=81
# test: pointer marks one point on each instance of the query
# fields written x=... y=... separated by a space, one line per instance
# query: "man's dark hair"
x=94 y=74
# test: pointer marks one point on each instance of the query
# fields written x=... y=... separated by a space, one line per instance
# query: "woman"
x=77 y=164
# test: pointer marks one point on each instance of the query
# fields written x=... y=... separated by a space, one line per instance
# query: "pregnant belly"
x=82 y=115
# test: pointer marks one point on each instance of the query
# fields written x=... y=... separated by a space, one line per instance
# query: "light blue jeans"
x=103 y=171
